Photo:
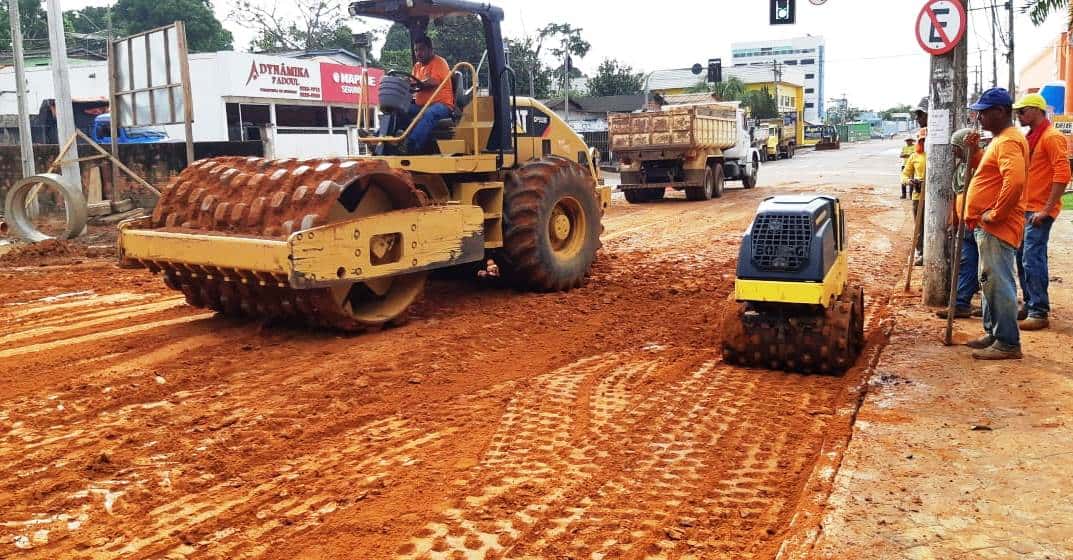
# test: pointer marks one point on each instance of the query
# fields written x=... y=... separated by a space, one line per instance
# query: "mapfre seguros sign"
x=274 y=77
x=342 y=84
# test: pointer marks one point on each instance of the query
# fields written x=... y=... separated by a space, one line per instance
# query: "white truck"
x=692 y=148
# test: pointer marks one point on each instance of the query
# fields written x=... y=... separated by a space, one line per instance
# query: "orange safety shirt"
x=438 y=71
x=1049 y=164
x=999 y=185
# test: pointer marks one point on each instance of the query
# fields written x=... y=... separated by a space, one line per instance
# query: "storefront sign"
x=272 y=77
x=342 y=84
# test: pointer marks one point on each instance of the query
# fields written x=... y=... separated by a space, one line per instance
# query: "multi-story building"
x=805 y=53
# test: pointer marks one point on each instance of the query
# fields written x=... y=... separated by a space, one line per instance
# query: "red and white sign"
x=342 y=84
x=273 y=77
x=941 y=26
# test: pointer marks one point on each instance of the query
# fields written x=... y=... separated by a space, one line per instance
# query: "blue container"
x=1055 y=94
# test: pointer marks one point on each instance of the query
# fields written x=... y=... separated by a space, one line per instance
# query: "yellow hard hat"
x=1032 y=100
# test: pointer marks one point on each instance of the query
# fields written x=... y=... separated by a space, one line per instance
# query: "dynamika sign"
x=281 y=74
x=274 y=77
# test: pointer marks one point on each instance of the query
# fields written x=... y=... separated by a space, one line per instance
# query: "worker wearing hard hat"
x=913 y=175
x=966 y=155
x=1048 y=175
x=907 y=150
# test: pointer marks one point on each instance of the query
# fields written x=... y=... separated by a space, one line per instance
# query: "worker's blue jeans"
x=1032 y=266
x=968 y=272
x=418 y=142
x=998 y=268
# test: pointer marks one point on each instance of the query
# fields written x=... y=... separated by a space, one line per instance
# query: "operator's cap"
x=1033 y=100
x=994 y=97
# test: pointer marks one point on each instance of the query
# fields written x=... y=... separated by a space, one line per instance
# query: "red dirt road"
x=591 y=424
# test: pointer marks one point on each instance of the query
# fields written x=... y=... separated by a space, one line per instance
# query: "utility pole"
x=994 y=45
x=566 y=84
x=947 y=102
x=26 y=141
x=1013 y=82
x=65 y=120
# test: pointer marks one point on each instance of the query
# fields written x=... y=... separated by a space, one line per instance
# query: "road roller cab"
x=347 y=243
x=794 y=307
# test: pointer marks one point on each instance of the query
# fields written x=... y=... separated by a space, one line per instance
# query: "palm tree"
x=1038 y=10
x=730 y=89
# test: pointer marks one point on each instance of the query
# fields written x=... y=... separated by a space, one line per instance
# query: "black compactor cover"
x=792 y=238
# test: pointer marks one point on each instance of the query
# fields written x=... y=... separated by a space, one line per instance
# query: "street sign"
x=940 y=26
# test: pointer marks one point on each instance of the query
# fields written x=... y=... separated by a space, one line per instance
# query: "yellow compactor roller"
x=795 y=309
x=347 y=243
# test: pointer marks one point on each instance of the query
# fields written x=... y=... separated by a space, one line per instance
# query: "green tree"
x=903 y=108
x=1039 y=10
x=34 y=25
x=761 y=104
x=730 y=89
x=458 y=39
x=614 y=78
x=522 y=57
x=204 y=33
x=303 y=25
x=92 y=19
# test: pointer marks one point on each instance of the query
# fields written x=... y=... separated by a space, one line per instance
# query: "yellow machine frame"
x=814 y=293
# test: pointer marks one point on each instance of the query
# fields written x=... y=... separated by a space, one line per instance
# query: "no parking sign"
x=941 y=26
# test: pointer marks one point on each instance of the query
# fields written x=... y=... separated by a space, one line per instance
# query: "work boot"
x=984 y=341
x=997 y=352
x=1035 y=324
x=1022 y=314
x=959 y=313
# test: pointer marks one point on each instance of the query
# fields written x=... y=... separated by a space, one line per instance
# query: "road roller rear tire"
x=552 y=225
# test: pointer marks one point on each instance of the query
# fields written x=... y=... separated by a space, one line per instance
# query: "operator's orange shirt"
x=438 y=70
x=1049 y=164
x=999 y=186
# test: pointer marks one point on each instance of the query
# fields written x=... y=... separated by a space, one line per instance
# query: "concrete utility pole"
x=947 y=110
x=65 y=119
x=994 y=45
x=26 y=141
x=1013 y=82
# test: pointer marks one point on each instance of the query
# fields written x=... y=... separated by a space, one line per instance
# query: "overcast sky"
x=872 y=55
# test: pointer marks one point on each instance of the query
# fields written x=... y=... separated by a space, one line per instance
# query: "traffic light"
x=783 y=12
x=715 y=70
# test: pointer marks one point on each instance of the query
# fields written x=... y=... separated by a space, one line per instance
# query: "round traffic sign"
x=940 y=26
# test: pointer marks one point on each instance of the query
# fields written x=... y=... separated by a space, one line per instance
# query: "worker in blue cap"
x=995 y=210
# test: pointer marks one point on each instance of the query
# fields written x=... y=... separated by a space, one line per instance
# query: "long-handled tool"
x=917 y=232
x=948 y=339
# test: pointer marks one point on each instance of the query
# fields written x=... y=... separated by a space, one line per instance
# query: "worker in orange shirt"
x=431 y=70
x=1048 y=175
x=995 y=209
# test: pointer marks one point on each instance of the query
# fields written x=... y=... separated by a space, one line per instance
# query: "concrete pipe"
x=22 y=193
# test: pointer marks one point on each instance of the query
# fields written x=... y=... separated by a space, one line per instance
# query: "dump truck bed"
x=712 y=127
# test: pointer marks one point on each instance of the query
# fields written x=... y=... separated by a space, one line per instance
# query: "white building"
x=309 y=104
x=805 y=53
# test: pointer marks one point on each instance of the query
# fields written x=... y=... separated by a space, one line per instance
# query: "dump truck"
x=782 y=139
x=347 y=243
x=695 y=149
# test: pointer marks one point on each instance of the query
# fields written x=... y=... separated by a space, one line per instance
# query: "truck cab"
x=102 y=132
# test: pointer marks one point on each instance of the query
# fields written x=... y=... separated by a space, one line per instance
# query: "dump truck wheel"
x=706 y=191
x=749 y=180
x=552 y=225
x=719 y=181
